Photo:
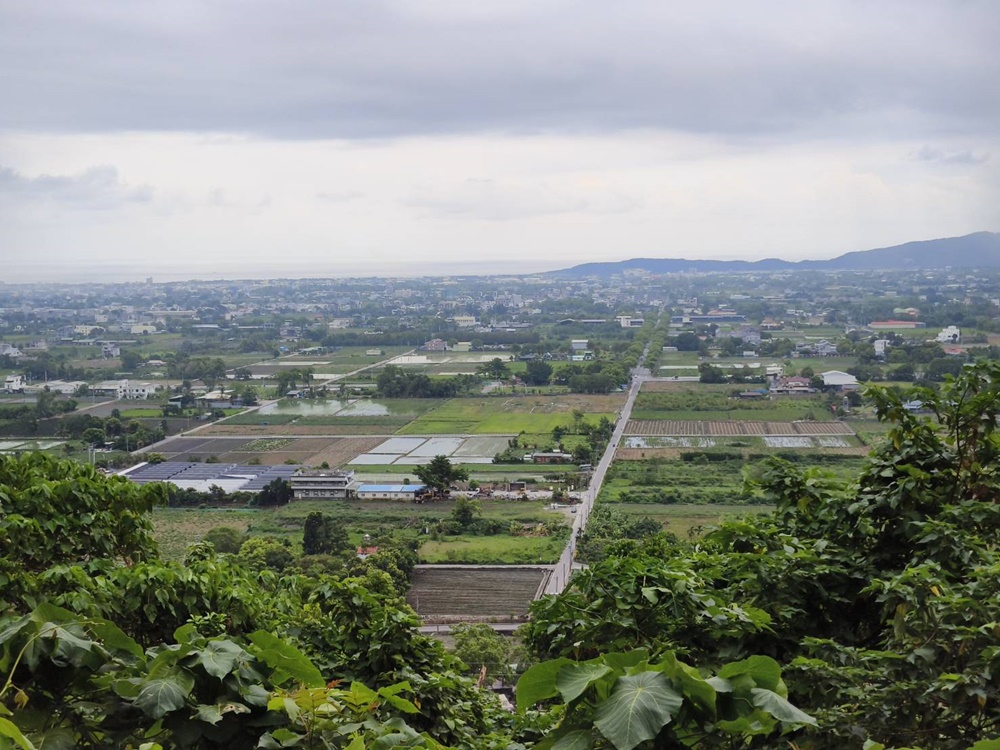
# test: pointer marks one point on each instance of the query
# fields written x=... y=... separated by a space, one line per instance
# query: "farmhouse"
x=322 y=483
x=390 y=491
x=551 y=457
x=881 y=325
x=950 y=335
x=13 y=384
x=793 y=385
x=840 y=381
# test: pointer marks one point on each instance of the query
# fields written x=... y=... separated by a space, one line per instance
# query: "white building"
x=14 y=384
x=949 y=335
x=880 y=346
x=839 y=380
x=464 y=321
x=124 y=390
x=627 y=321
x=327 y=484
x=390 y=491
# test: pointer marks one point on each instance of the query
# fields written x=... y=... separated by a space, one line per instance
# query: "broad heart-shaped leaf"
x=286 y=659
x=114 y=638
x=764 y=670
x=779 y=708
x=573 y=679
x=621 y=662
x=9 y=730
x=160 y=695
x=220 y=657
x=640 y=706
x=539 y=683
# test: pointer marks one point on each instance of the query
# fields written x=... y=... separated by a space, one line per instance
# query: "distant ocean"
x=64 y=272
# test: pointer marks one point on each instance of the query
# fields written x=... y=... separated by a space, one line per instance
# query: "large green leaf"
x=219 y=658
x=114 y=639
x=986 y=745
x=779 y=708
x=286 y=659
x=161 y=695
x=9 y=730
x=56 y=738
x=539 y=683
x=573 y=679
x=578 y=739
x=764 y=670
x=639 y=707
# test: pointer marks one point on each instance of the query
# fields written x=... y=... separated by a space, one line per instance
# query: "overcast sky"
x=243 y=138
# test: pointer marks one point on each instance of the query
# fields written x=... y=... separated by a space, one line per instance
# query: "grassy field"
x=177 y=528
x=678 y=482
x=697 y=401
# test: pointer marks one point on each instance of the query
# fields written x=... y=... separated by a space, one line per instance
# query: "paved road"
x=564 y=568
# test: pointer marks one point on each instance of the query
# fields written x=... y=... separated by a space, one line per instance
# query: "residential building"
x=435 y=345
x=464 y=321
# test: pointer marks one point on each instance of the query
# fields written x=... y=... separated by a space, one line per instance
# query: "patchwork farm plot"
x=412 y=451
x=666 y=438
x=733 y=428
x=328 y=416
x=440 y=593
x=268 y=451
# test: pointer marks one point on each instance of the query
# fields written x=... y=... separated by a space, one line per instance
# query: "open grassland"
x=177 y=528
x=510 y=415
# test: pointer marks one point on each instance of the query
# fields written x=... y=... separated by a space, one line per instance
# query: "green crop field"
x=695 y=401
x=510 y=415
x=689 y=520
x=493 y=550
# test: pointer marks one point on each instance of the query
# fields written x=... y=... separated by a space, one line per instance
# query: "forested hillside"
x=854 y=616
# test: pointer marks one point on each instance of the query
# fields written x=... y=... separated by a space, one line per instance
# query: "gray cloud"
x=375 y=68
x=97 y=188
x=961 y=158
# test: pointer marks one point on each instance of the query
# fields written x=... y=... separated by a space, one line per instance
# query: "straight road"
x=564 y=568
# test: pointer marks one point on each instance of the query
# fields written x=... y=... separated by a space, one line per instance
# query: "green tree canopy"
x=440 y=474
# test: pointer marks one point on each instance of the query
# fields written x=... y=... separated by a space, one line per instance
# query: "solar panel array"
x=257 y=477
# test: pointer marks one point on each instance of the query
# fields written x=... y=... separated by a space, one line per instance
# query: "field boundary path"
x=563 y=569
